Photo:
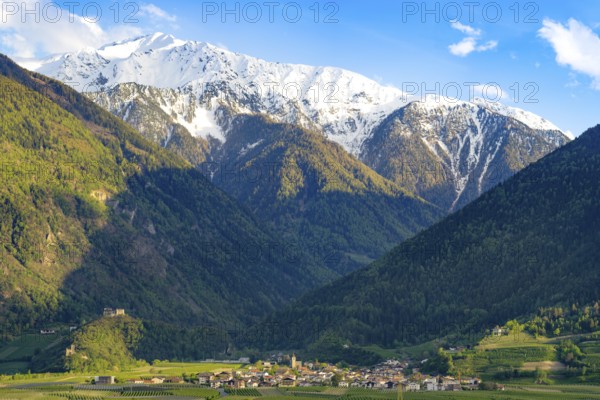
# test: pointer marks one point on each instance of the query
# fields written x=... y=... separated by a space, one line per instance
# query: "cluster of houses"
x=157 y=380
x=53 y=332
x=388 y=375
x=445 y=383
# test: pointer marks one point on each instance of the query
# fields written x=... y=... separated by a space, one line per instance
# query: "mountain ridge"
x=529 y=242
x=201 y=88
x=190 y=97
x=452 y=153
x=95 y=215
x=311 y=189
x=356 y=91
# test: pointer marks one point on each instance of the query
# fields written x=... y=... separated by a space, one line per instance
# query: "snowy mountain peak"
x=528 y=118
x=126 y=48
x=437 y=103
x=344 y=105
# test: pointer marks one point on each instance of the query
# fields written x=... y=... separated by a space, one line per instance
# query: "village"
x=286 y=371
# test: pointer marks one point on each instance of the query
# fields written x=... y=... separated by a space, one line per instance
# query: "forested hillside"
x=314 y=193
x=530 y=242
x=94 y=215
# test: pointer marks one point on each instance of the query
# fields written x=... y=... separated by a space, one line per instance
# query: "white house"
x=431 y=384
x=498 y=331
x=204 y=378
x=104 y=380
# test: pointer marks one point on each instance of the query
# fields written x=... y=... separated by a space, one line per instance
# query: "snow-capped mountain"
x=452 y=152
x=165 y=86
x=345 y=105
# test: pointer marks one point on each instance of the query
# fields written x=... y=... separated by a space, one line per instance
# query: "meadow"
x=58 y=390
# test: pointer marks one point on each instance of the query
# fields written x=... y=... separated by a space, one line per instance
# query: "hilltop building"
x=111 y=312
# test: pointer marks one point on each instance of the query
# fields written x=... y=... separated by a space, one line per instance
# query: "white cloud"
x=56 y=30
x=464 y=47
x=48 y=32
x=19 y=44
x=466 y=29
x=469 y=44
x=576 y=46
x=489 y=45
x=157 y=13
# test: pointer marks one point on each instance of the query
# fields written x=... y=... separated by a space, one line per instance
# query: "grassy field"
x=68 y=393
x=15 y=354
x=420 y=351
x=162 y=369
x=186 y=391
x=492 y=357
x=499 y=354
x=591 y=347
x=503 y=395
x=495 y=357
x=174 y=369
x=522 y=392
x=510 y=341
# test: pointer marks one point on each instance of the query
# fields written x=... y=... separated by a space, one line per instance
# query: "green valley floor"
x=60 y=391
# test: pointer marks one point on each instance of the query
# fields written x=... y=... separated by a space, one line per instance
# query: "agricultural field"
x=188 y=391
x=166 y=368
x=304 y=389
x=495 y=356
x=590 y=346
x=243 y=392
x=488 y=362
x=522 y=339
x=517 y=359
x=494 y=359
x=162 y=368
x=16 y=354
x=70 y=392
x=510 y=394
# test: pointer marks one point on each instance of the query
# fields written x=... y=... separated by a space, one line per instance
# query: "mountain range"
x=195 y=99
x=172 y=179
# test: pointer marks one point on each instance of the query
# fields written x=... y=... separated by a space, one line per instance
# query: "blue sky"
x=544 y=55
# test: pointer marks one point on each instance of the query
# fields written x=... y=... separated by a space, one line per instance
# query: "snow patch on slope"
x=528 y=118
